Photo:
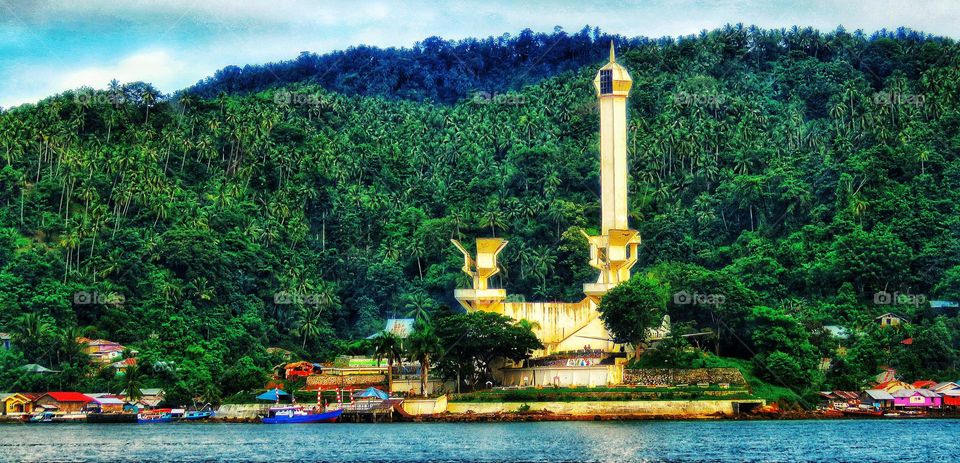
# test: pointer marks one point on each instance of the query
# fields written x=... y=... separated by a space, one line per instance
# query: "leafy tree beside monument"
x=635 y=307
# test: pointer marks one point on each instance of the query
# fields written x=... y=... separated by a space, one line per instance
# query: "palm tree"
x=132 y=382
x=309 y=324
x=493 y=218
x=527 y=324
x=388 y=346
x=69 y=349
x=149 y=99
x=32 y=332
x=422 y=345
x=419 y=306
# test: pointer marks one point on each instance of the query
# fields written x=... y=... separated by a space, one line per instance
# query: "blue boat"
x=297 y=414
x=157 y=416
x=44 y=417
x=194 y=415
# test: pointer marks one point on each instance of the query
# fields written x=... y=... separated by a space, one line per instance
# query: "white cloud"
x=156 y=66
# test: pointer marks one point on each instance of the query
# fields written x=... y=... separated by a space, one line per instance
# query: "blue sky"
x=51 y=46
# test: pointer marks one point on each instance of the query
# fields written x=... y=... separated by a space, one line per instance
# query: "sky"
x=47 y=47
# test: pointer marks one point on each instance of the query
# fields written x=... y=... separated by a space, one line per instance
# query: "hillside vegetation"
x=795 y=173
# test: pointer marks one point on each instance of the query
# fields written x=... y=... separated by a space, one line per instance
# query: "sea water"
x=922 y=440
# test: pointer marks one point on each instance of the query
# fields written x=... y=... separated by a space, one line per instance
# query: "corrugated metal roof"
x=946 y=386
x=878 y=394
x=108 y=401
x=912 y=392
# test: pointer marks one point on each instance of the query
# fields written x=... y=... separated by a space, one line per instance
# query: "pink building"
x=103 y=351
x=920 y=398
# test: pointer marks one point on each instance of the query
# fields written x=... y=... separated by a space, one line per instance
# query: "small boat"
x=831 y=412
x=297 y=414
x=858 y=411
x=45 y=417
x=905 y=414
x=195 y=415
x=162 y=415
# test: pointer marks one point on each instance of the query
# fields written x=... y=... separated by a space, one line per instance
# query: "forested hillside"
x=795 y=173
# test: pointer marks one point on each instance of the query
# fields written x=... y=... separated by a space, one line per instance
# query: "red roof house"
x=303 y=369
x=952 y=398
x=924 y=384
x=889 y=374
x=63 y=401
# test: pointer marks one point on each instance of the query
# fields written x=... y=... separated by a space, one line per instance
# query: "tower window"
x=606 y=81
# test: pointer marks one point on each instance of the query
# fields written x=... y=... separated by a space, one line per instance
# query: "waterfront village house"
x=877 y=398
x=924 y=384
x=4 y=341
x=922 y=398
x=301 y=369
x=17 y=403
x=102 y=351
x=69 y=402
x=122 y=365
x=151 y=396
x=840 y=399
x=894 y=386
x=889 y=374
x=951 y=398
x=945 y=386
x=105 y=403
x=891 y=319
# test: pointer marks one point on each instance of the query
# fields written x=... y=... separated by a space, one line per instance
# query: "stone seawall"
x=692 y=408
x=672 y=377
x=242 y=411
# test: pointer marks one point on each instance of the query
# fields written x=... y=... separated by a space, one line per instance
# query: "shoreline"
x=547 y=416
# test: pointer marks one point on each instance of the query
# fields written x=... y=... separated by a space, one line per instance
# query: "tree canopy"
x=795 y=170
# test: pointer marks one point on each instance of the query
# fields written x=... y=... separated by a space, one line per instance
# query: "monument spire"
x=614 y=250
x=564 y=326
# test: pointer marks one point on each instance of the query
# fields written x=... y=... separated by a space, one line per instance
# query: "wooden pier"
x=367 y=411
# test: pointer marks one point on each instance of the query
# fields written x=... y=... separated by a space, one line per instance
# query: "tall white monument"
x=567 y=326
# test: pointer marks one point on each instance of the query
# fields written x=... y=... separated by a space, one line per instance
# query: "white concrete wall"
x=561 y=376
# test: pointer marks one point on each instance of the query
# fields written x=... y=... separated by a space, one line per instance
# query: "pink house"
x=921 y=398
x=103 y=351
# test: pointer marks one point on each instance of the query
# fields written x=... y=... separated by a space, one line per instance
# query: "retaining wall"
x=245 y=411
x=639 y=407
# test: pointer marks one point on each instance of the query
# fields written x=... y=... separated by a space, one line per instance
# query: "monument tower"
x=566 y=326
x=614 y=251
